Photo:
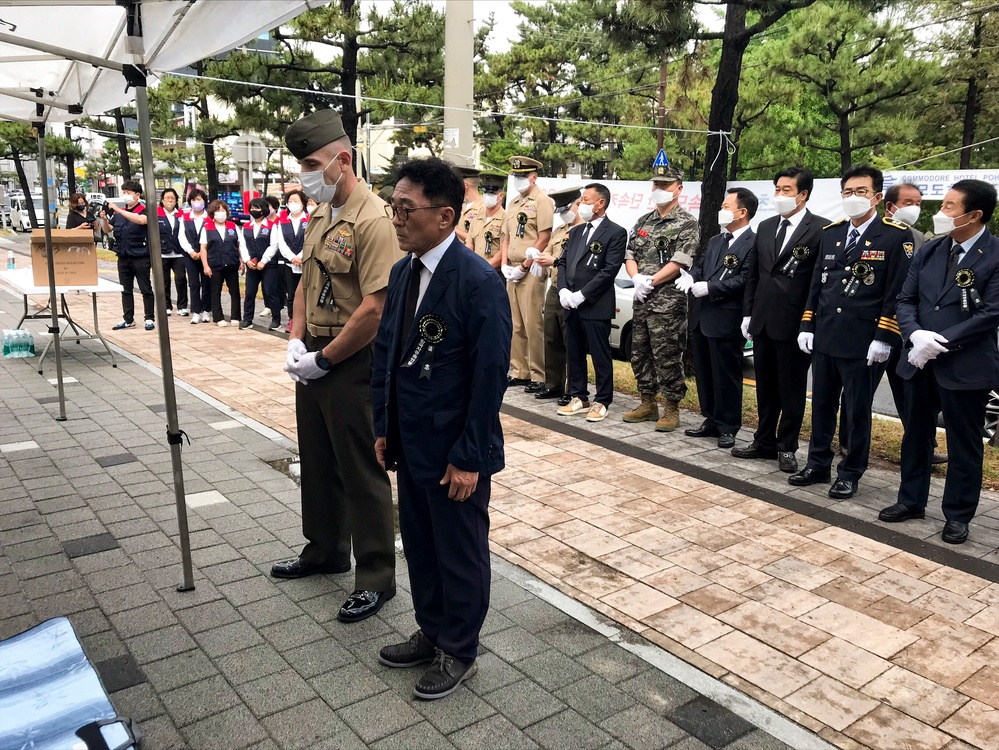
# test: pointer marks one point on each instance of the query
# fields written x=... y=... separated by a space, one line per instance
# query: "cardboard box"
x=73 y=253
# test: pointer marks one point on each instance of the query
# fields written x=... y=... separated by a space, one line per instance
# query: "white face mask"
x=856 y=206
x=489 y=200
x=314 y=184
x=295 y=208
x=944 y=224
x=220 y=217
x=662 y=197
x=725 y=217
x=130 y=198
x=567 y=217
x=521 y=184
x=308 y=209
x=197 y=206
x=586 y=211
x=907 y=215
x=785 y=204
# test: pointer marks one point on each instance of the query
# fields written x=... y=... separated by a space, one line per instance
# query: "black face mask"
x=256 y=213
x=82 y=207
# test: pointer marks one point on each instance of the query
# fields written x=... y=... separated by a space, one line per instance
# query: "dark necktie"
x=955 y=252
x=851 y=244
x=586 y=233
x=727 y=236
x=781 y=236
x=412 y=295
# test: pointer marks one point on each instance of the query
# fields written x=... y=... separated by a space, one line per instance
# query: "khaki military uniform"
x=556 y=360
x=536 y=213
x=659 y=325
x=485 y=232
x=346 y=496
x=469 y=213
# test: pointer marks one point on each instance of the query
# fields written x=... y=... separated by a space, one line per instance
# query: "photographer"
x=80 y=216
x=129 y=227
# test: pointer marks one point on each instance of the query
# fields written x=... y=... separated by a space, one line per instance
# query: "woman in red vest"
x=222 y=257
x=200 y=286
x=289 y=237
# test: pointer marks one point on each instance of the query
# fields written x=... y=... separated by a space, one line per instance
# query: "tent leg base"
x=185 y=587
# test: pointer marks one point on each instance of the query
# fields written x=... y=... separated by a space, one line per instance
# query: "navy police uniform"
x=962 y=306
x=850 y=304
x=715 y=328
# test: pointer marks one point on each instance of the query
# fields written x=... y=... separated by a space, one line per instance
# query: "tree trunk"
x=971 y=104
x=70 y=167
x=348 y=77
x=213 y=172
x=733 y=170
x=724 y=98
x=845 y=147
x=661 y=109
x=22 y=178
x=119 y=125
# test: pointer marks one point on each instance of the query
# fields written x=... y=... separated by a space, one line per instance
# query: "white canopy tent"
x=63 y=59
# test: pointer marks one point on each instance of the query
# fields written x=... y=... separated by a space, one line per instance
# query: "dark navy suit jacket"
x=593 y=273
x=720 y=313
x=930 y=300
x=452 y=416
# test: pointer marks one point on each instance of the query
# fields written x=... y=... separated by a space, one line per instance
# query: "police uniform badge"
x=909 y=249
x=965 y=280
x=730 y=262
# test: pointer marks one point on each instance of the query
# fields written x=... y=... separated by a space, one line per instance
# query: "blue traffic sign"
x=661 y=160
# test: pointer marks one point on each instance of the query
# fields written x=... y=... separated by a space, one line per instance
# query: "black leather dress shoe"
x=808 y=476
x=843 y=489
x=564 y=399
x=754 y=450
x=787 y=462
x=939 y=458
x=517 y=381
x=534 y=386
x=297 y=569
x=362 y=604
x=726 y=440
x=897 y=513
x=547 y=393
x=705 y=430
x=417 y=650
x=443 y=677
x=955 y=532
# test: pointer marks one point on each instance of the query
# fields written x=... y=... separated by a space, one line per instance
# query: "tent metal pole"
x=174 y=434
x=43 y=172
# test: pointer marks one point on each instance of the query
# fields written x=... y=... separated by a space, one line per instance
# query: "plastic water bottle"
x=10 y=260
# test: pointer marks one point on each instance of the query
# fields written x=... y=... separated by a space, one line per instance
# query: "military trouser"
x=556 y=362
x=346 y=496
x=657 y=344
x=527 y=353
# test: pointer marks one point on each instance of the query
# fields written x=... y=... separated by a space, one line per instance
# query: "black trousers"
x=179 y=268
x=280 y=284
x=199 y=285
x=852 y=379
x=718 y=372
x=447 y=550
x=266 y=279
x=136 y=271
x=582 y=337
x=556 y=363
x=291 y=281
x=230 y=276
x=781 y=385
x=346 y=496
x=964 y=416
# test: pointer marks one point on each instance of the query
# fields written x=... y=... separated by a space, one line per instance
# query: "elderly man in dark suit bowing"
x=586 y=272
x=948 y=312
x=717 y=283
x=440 y=372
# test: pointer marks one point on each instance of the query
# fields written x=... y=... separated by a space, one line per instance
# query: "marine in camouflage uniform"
x=662 y=242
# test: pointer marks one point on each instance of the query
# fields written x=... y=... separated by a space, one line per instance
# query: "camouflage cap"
x=492 y=181
x=523 y=165
x=566 y=197
x=666 y=173
x=312 y=132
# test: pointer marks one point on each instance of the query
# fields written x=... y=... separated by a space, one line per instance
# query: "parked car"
x=96 y=198
x=620 y=335
x=19 y=217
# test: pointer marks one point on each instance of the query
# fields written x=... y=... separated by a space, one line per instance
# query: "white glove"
x=684 y=281
x=805 y=341
x=699 y=289
x=563 y=298
x=878 y=352
x=926 y=345
x=537 y=270
x=745 y=329
x=640 y=294
x=531 y=253
x=514 y=274
x=642 y=284
x=306 y=368
x=296 y=349
x=576 y=299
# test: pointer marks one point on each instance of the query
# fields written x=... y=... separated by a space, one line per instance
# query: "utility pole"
x=662 y=102
x=459 y=88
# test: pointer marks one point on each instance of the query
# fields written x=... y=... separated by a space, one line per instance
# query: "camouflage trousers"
x=657 y=343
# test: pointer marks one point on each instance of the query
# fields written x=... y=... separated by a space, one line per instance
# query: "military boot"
x=647 y=411
x=671 y=417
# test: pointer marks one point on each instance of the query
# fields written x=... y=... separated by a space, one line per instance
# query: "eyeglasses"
x=392 y=211
x=861 y=192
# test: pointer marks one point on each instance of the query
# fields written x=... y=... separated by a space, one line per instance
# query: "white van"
x=20 y=220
